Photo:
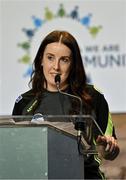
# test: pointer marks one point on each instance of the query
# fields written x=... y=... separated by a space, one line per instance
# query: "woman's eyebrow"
x=66 y=57
x=49 y=54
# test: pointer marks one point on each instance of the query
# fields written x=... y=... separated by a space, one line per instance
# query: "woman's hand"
x=109 y=148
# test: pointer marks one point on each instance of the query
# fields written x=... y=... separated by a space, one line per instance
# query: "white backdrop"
x=99 y=26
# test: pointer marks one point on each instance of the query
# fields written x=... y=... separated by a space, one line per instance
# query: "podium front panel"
x=23 y=153
x=64 y=159
x=38 y=152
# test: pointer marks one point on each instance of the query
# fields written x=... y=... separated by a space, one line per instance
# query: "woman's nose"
x=56 y=65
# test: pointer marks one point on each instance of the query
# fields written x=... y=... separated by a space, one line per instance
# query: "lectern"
x=39 y=151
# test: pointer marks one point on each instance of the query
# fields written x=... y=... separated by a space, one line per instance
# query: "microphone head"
x=57 y=78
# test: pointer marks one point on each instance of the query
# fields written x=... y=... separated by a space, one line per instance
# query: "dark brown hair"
x=77 y=75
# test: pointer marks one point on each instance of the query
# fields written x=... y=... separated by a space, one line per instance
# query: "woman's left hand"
x=110 y=146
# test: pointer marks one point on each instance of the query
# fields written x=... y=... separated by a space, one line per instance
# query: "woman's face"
x=56 y=60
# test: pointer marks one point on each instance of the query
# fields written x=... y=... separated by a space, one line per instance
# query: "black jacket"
x=28 y=102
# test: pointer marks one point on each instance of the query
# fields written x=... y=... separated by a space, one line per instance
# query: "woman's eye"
x=50 y=57
x=65 y=60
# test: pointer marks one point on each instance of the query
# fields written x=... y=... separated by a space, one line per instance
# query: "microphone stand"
x=79 y=124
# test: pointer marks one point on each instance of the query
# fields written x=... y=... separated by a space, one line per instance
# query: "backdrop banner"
x=98 y=26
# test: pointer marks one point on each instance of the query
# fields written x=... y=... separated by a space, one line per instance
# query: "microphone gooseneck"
x=57 y=81
x=79 y=125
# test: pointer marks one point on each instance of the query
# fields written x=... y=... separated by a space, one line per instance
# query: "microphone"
x=79 y=125
x=57 y=81
x=37 y=118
